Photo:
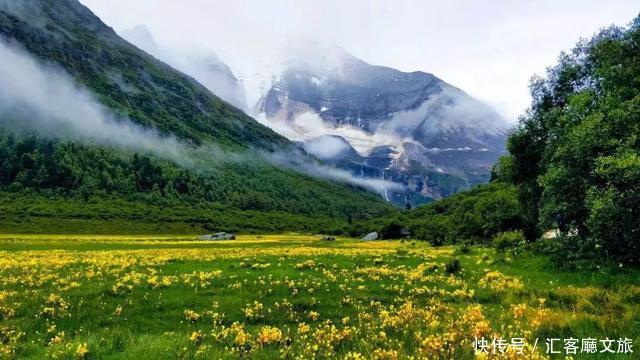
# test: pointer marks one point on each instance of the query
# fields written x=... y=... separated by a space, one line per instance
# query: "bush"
x=453 y=267
x=571 y=253
x=435 y=231
x=508 y=240
x=393 y=229
x=464 y=249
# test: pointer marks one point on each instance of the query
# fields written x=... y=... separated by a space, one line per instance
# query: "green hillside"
x=61 y=185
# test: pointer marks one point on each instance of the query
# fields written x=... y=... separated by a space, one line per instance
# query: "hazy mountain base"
x=420 y=185
x=124 y=78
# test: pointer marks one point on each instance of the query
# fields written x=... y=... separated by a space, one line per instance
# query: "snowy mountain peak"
x=402 y=124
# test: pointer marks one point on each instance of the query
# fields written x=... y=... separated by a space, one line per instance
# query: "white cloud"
x=45 y=98
x=490 y=49
x=326 y=147
x=447 y=110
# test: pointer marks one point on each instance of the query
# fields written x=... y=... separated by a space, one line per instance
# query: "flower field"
x=293 y=296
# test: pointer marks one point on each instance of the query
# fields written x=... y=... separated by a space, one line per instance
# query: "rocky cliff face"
x=413 y=128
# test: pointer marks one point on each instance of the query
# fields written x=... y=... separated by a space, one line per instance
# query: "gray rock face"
x=371 y=236
x=217 y=236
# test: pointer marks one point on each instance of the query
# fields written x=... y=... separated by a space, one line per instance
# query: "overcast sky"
x=488 y=48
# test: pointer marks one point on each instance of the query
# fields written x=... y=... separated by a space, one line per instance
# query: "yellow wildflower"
x=82 y=351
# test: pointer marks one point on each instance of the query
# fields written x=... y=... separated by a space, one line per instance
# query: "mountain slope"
x=412 y=127
x=124 y=77
x=205 y=66
x=71 y=183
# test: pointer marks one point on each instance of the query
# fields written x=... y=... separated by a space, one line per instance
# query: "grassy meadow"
x=294 y=296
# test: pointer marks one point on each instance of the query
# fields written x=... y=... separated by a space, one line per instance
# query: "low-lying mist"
x=42 y=97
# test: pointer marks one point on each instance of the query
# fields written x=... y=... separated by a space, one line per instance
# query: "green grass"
x=370 y=283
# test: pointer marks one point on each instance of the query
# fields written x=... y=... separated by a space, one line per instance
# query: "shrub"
x=402 y=252
x=464 y=249
x=393 y=229
x=435 y=231
x=571 y=252
x=453 y=267
x=475 y=215
x=508 y=240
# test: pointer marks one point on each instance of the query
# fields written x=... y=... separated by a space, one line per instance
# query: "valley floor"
x=294 y=296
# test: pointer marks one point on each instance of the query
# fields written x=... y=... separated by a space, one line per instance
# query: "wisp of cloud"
x=309 y=166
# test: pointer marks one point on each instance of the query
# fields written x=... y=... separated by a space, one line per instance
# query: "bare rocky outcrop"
x=371 y=236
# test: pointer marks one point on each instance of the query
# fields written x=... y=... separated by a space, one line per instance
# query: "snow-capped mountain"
x=373 y=121
x=412 y=128
x=203 y=65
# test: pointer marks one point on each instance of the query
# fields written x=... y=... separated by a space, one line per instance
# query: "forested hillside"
x=574 y=163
